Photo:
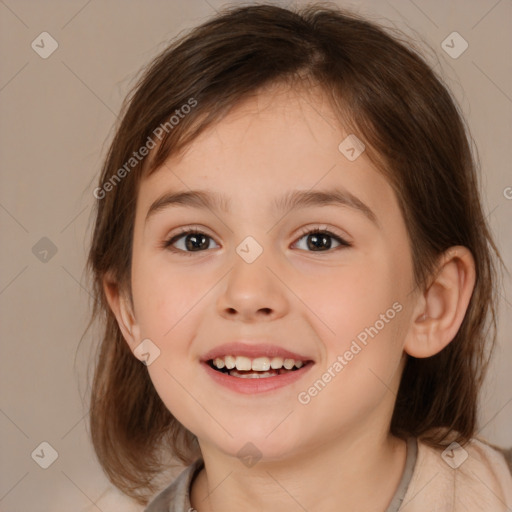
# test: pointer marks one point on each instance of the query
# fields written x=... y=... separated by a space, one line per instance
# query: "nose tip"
x=252 y=292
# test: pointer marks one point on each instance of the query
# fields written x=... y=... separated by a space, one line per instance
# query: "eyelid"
x=171 y=239
x=325 y=228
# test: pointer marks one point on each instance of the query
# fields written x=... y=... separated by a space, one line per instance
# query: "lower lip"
x=261 y=385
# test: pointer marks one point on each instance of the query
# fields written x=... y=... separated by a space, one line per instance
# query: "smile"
x=250 y=368
x=256 y=368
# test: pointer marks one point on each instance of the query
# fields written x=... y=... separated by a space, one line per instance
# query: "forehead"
x=278 y=140
x=277 y=117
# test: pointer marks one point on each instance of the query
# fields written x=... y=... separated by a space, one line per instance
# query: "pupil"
x=317 y=240
x=194 y=244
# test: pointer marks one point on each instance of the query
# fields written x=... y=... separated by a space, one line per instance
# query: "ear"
x=123 y=310
x=440 y=309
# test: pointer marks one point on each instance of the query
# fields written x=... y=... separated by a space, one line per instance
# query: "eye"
x=320 y=240
x=191 y=240
x=188 y=241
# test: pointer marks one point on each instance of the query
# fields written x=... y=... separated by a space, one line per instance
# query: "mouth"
x=249 y=368
x=243 y=367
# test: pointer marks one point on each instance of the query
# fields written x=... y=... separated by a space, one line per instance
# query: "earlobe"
x=122 y=310
x=440 y=309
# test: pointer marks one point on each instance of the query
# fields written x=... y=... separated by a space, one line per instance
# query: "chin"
x=255 y=443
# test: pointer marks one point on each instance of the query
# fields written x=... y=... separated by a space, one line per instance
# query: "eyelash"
x=167 y=244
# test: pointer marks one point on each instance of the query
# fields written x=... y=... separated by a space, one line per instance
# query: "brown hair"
x=387 y=94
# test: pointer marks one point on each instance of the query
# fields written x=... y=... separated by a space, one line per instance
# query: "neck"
x=359 y=473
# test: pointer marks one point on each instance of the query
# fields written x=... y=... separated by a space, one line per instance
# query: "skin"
x=334 y=453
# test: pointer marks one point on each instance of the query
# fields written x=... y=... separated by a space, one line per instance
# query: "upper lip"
x=252 y=350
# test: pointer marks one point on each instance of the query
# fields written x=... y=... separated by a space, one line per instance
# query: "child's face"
x=313 y=303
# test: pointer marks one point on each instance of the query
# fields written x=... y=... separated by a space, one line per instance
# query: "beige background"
x=56 y=116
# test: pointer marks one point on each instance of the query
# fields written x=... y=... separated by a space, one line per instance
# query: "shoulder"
x=176 y=496
x=475 y=477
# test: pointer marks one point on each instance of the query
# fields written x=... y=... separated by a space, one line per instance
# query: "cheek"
x=163 y=298
x=363 y=305
x=168 y=306
x=352 y=298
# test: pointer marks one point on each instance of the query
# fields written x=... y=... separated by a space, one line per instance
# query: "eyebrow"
x=293 y=200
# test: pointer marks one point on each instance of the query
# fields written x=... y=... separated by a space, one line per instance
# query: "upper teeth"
x=259 y=364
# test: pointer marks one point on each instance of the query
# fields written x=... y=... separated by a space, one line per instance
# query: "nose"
x=253 y=292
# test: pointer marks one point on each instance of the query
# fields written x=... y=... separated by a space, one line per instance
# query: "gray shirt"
x=176 y=497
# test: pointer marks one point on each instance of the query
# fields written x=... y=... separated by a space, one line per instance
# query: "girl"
x=289 y=237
